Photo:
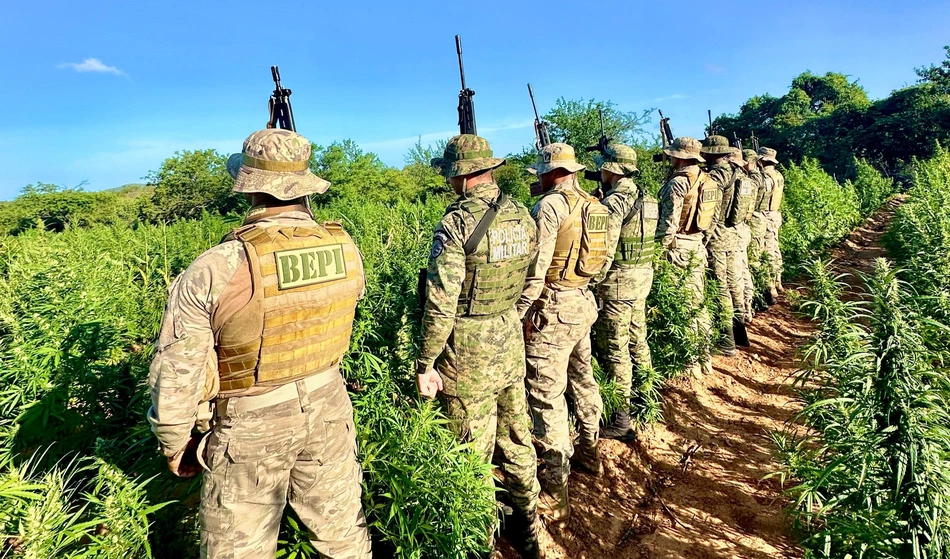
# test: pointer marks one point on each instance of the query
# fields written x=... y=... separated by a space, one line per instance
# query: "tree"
x=189 y=183
x=938 y=76
x=577 y=122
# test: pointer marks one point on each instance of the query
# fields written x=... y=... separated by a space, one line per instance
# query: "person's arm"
x=671 y=210
x=548 y=213
x=443 y=286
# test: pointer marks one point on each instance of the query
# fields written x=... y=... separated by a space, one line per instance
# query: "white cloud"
x=674 y=97
x=92 y=65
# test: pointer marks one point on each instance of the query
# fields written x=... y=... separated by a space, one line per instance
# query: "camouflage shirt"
x=549 y=213
x=620 y=200
x=446 y=273
x=184 y=370
x=671 y=209
x=719 y=236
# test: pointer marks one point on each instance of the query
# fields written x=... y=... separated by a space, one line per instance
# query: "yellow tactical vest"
x=305 y=282
x=495 y=272
x=700 y=203
x=580 y=250
x=778 y=189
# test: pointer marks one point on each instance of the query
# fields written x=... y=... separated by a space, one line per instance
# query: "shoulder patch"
x=438 y=244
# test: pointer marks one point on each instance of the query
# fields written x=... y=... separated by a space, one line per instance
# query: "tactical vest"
x=778 y=190
x=765 y=192
x=637 y=240
x=305 y=283
x=700 y=203
x=495 y=272
x=738 y=199
x=580 y=251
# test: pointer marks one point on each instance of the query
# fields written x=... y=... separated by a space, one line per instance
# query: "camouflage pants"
x=301 y=451
x=692 y=256
x=748 y=287
x=499 y=426
x=758 y=247
x=726 y=267
x=558 y=352
x=620 y=333
x=773 y=225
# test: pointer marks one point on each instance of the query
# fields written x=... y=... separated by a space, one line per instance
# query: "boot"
x=727 y=345
x=587 y=459
x=768 y=297
x=774 y=293
x=619 y=428
x=553 y=502
x=522 y=532
x=741 y=335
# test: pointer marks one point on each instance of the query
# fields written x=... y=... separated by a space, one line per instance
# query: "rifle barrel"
x=458 y=49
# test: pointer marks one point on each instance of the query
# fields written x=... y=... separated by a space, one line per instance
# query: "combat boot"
x=587 y=459
x=619 y=428
x=522 y=532
x=740 y=333
x=553 y=503
x=727 y=345
x=774 y=293
x=768 y=297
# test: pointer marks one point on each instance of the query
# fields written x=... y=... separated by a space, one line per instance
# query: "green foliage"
x=871 y=187
x=873 y=469
x=919 y=236
x=189 y=184
x=937 y=75
x=817 y=213
x=54 y=208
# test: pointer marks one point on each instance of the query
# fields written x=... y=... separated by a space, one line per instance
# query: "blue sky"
x=104 y=91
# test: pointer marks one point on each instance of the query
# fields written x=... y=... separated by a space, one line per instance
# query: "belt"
x=285 y=393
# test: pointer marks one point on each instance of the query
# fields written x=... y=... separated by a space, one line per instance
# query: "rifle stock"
x=466 y=106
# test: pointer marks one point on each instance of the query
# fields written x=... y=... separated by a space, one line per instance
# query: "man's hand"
x=429 y=383
x=185 y=462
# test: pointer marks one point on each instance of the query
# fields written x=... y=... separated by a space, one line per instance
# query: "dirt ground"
x=697 y=486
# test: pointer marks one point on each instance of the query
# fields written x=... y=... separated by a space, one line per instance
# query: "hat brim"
x=768 y=159
x=716 y=150
x=618 y=168
x=545 y=168
x=280 y=185
x=449 y=169
x=684 y=155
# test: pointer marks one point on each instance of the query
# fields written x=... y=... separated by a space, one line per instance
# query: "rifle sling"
x=483 y=225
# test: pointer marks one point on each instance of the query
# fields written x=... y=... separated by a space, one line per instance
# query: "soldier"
x=559 y=311
x=687 y=204
x=472 y=351
x=758 y=226
x=744 y=230
x=620 y=333
x=724 y=242
x=752 y=231
x=257 y=327
x=773 y=213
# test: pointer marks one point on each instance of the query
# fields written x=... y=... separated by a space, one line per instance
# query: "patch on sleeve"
x=438 y=244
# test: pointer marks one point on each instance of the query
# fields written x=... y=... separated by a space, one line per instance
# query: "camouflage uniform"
x=269 y=445
x=685 y=250
x=724 y=242
x=620 y=333
x=480 y=355
x=774 y=215
x=558 y=347
x=747 y=250
x=759 y=222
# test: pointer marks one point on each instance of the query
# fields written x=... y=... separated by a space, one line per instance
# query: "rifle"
x=281 y=113
x=601 y=147
x=466 y=105
x=736 y=142
x=542 y=138
x=666 y=136
x=710 y=131
x=755 y=143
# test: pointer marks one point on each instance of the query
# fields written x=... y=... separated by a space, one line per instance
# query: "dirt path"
x=693 y=487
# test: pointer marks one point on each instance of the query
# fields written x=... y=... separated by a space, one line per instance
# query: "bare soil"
x=698 y=485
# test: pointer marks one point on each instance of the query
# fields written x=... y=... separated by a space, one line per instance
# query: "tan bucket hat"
x=750 y=155
x=716 y=145
x=619 y=159
x=768 y=155
x=556 y=156
x=685 y=148
x=275 y=162
x=466 y=154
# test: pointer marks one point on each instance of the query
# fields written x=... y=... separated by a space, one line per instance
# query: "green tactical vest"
x=765 y=192
x=638 y=233
x=745 y=194
x=495 y=272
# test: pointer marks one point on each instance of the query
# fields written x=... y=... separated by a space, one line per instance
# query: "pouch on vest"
x=775 y=203
x=593 y=245
x=744 y=198
x=708 y=197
